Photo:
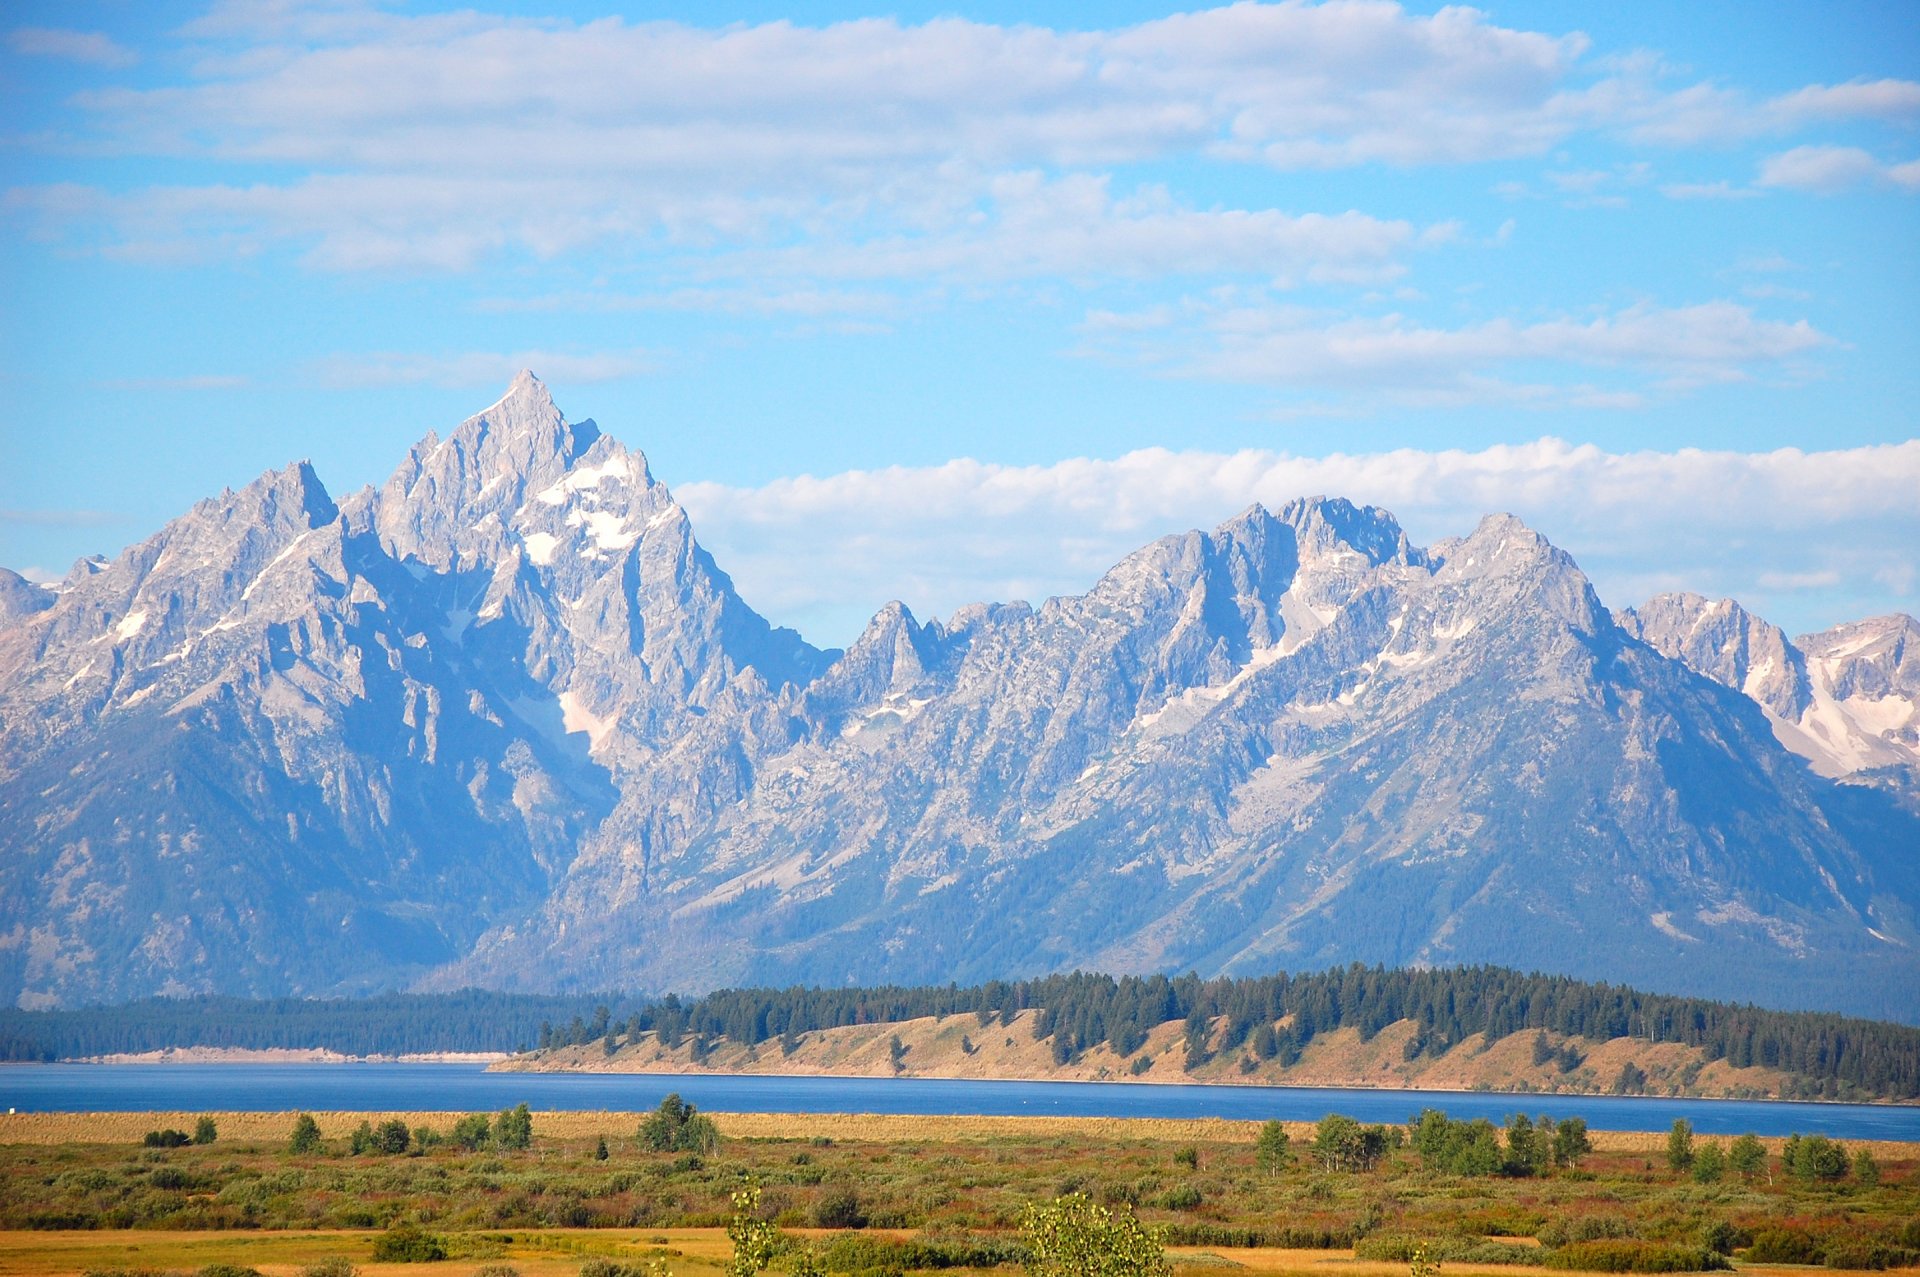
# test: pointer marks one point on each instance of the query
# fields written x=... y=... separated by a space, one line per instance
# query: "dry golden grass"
x=698 y=1252
x=883 y=1128
x=959 y=1046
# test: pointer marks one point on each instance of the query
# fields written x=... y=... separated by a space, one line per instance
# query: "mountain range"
x=503 y=722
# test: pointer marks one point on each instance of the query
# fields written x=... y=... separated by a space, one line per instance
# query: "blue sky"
x=963 y=301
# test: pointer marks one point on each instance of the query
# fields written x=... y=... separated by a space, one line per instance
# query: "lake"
x=82 y=1088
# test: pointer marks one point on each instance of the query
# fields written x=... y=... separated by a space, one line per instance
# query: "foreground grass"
x=78 y=1193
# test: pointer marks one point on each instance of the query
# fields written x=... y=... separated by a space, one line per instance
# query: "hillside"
x=961 y=1047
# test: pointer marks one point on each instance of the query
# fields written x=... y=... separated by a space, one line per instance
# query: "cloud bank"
x=1805 y=538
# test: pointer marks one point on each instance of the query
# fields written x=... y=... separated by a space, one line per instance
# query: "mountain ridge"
x=501 y=720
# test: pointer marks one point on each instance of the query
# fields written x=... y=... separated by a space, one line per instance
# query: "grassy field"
x=79 y=1193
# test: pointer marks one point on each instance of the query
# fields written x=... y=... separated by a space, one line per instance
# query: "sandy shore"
x=285 y=1055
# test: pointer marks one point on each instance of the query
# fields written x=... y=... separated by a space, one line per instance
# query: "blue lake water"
x=271 y=1088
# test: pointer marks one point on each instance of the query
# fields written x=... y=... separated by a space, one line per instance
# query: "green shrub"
x=1625 y=1256
x=838 y=1208
x=405 y=1243
x=204 y=1131
x=226 y=1270
x=166 y=1139
x=864 y=1253
x=1585 y=1228
x=332 y=1266
x=1860 y=1255
x=1784 y=1246
x=1400 y=1248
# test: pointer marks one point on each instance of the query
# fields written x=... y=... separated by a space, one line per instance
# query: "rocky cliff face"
x=503 y=721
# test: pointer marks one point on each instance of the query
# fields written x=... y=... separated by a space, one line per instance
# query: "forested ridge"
x=1268 y=1016
x=390 y=1024
x=1834 y=1055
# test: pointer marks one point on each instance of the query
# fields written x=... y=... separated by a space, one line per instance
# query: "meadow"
x=872 y=1196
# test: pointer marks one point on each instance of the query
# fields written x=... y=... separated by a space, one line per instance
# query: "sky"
x=966 y=301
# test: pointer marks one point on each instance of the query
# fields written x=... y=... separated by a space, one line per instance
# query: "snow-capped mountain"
x=503 y=721
x=1847 y=699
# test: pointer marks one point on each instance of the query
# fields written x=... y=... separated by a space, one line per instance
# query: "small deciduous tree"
x=513 y=1129
x=1528 y=1146
x=1074 y=1236
x=1570 y=1142
x=755 y=1240
x=204 y=1131
x=1680 y=1146
x=472 y=1132
x=1747 y=1157
x=675 y=1127
x=1815 y=1157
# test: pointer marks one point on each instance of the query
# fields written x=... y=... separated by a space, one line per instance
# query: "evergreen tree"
x=306 y=1135
x=1273 y=1149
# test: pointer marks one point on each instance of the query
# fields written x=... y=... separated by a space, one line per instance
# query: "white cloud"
x=1721 y=190
x=200 y=381
x=1828 y=170
x=1669 y=347
x=1804 y=536
x=90 y=47
x=477 y=368
x=438 y=140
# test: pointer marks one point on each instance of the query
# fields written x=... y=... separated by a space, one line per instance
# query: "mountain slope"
x=503 y=721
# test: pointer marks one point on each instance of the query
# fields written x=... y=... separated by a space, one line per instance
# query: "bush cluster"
x=1627 y=1256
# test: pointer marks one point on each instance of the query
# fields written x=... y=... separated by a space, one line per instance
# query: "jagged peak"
x=1328 y=524
x=292 y=490
x=1892 y=625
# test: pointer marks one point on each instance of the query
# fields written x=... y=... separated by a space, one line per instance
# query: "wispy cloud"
x=1803 y=535
x=1258 y=340
x=1828 y=170
x=432 y=142
x=90 y=47
x=476 y=368
x=61 y=518
x=208 y=381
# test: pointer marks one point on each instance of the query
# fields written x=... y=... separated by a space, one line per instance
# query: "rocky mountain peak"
x=447 y=503
x=504 y=721
x=1334 y=526
x=1728 y=644
x=20 y=597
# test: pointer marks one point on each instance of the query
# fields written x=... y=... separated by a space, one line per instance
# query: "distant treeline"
x=1834 y=1056
x=391 y=1024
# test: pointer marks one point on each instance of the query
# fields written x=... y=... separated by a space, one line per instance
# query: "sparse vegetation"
x=963 y=1192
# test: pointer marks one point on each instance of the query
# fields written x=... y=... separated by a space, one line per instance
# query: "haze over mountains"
x=504 y=722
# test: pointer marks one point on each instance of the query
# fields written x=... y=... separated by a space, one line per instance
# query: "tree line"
x=390 y=1024
x=1268 y=1017
x=1834 y=1056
